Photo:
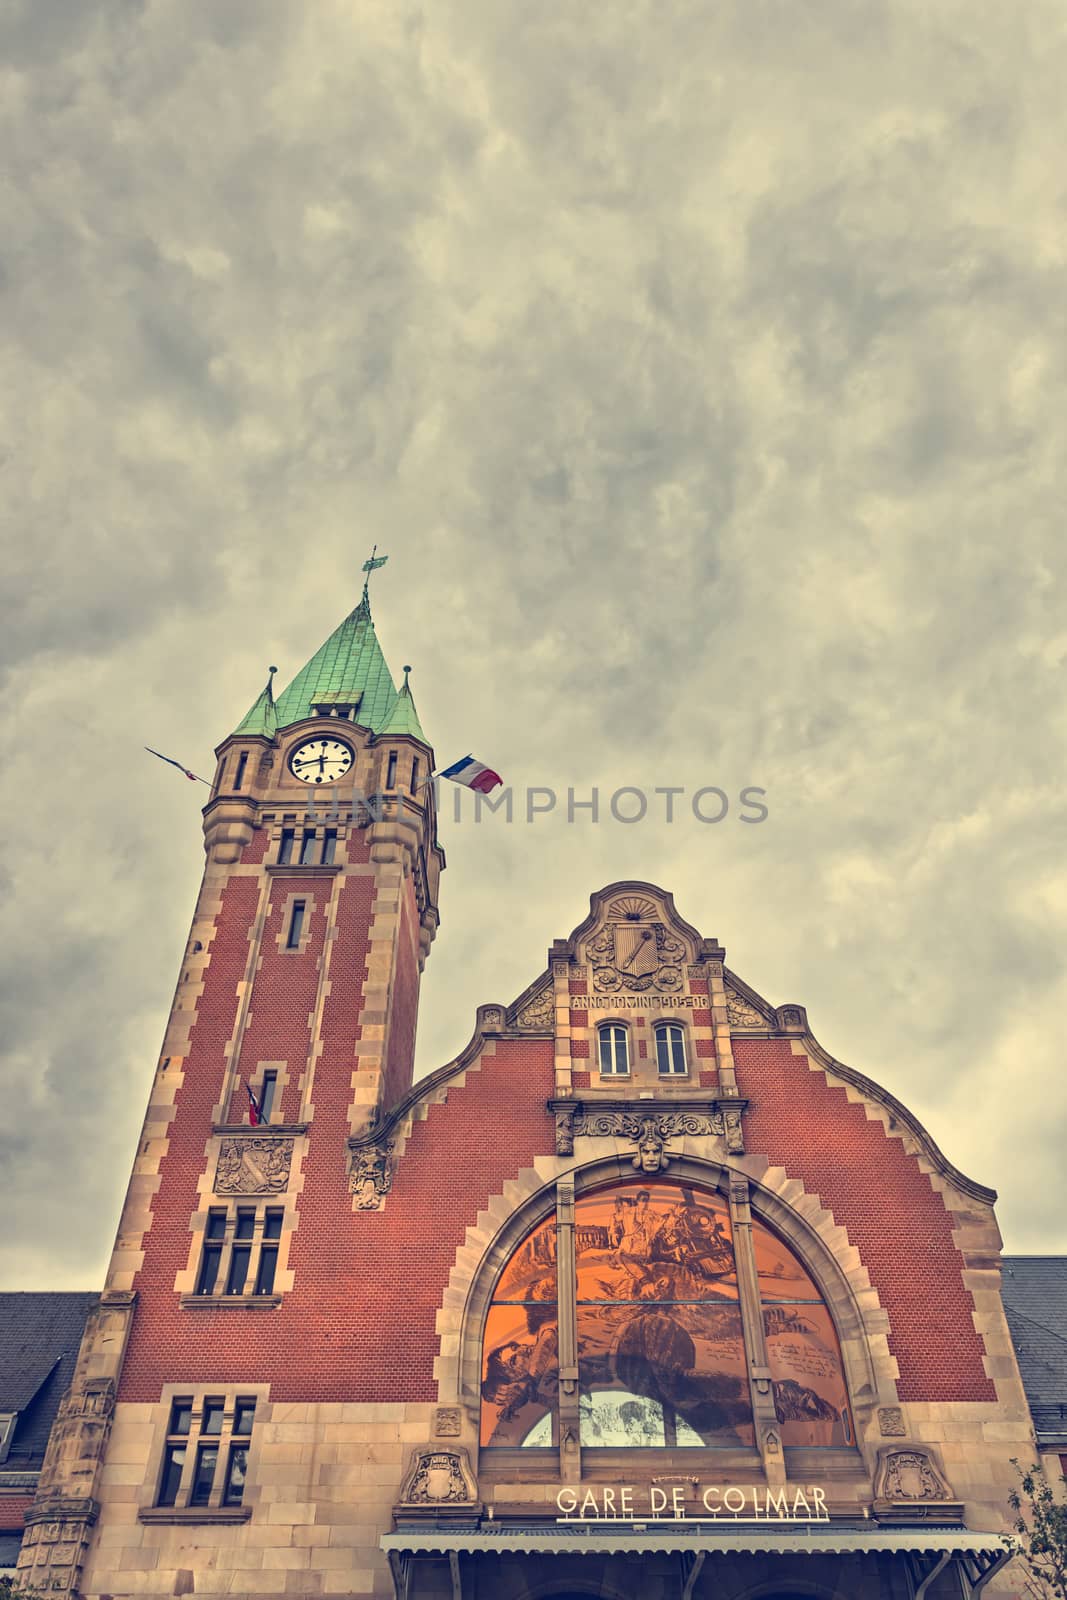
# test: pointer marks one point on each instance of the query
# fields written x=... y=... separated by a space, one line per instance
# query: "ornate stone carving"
x=564 y=1133
x=791 y=1017
x=447 y=1422
x=649 y=1131
x=741 y=1014
x=695 y=969
x=540 y=1012
x=733 y=1131
x=258 y=1165
x=439 y=1478
x=635 y=953
x=891 y=1422
x=909 y=1475
x=492 y=1017
x=371 y=1177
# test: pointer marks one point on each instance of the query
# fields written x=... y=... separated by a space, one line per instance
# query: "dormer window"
x=344 y=705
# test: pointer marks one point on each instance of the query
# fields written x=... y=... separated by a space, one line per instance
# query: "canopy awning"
x=578 y=1542
x=926 y=1552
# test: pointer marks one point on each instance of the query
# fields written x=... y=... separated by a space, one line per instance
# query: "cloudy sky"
x=702 y=371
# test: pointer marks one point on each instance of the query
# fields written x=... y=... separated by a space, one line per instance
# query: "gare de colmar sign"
x=667 y=1503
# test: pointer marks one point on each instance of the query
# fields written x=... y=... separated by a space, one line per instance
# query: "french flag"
x=255 y=1116
x=472 y=775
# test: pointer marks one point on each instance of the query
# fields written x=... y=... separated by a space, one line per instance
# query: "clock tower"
x=295 y=1010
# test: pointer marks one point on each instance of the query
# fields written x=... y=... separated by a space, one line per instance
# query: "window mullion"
x=192 y=1445
x=570 y=1453
x=768 y=1432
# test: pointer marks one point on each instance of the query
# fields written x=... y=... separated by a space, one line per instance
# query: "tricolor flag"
x=192 y=776
x=254 y=1115
x=472 y=775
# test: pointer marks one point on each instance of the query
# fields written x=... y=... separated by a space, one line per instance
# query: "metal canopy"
x=926 y=1553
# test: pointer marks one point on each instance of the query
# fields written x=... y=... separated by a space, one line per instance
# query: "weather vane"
x=371 y=566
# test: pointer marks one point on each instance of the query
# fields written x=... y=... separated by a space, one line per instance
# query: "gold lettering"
x=570 y=1496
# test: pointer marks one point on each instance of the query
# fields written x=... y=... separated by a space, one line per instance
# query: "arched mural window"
x=663 y=1333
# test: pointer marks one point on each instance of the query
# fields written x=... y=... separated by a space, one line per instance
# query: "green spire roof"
x=262 y=715
x=404 y=718
x=348 y=670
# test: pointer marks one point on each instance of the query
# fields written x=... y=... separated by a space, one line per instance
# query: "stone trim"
x=194 y=1514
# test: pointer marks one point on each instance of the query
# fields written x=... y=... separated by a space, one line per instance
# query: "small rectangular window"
x=268 y=1264
x=236 y=1472
x=173 y=1465
x=243 y=1416
x=414 y=773
x=207 y=1458
x=307 y=852
x=239 y=776
x=285 y=848
x=212 y=1422
x=329 y=847
x=181 y=1415
x=296 y=925
x=266 y=1095
x=390 y=771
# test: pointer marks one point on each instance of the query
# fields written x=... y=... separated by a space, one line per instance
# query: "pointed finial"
x=406 y=671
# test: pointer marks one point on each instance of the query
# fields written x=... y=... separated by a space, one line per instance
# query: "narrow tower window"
x=285 y=848
x=414 y=773
x=214 y=1234
x=307 y=852
x=239 y=776
x=268 y=1252
x=329 y=847
x=614 y=1051
x=296 y=925
x=241 y=1252
x=390 y=771
x=670 y=1049
x=266 y=1095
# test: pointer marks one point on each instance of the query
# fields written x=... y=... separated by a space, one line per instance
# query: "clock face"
x=320 y=761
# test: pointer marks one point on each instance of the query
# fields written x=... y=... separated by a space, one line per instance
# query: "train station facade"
x=645 y=1292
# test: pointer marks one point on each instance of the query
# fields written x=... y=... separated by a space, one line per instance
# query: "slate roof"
x=1035 y=1303
x=39 y=1339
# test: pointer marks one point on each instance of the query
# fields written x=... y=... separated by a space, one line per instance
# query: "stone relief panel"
x=371 y=1177
x=448 y=1422
x=439 y=1478
x=540 y=1012
x=909 y=1475
x=740 y=1013
x=636 y=952
x=891 y=1422
x=253 y=1165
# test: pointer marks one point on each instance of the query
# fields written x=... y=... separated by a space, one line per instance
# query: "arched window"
x=614 y=1046
x=670 y=1049
x=664 y=1341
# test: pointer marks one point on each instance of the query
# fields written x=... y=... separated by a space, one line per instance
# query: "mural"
x=660 y=1340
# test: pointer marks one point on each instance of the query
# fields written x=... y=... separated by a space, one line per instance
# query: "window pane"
x=781 y=1276
x=613 y=1051
x=268 y=1260
x=235 y=1284
x=810 y=1396
x=212 y=1422
x=173 y=1462
x=296 y=926
x=531 y=1272
x=235 y=1475
x=285 y=848
x=209 y=1269
x=266 y=1095
x=243 y=1416
x=307 y=853
x=329 y=848
x=204 y=1476
x=670 y=1049
x=663 y=1374
x=216 y=1224
x=520 y=1373
x=246 y=1221
x=180 y=1416
x=654 y=1242
x=272 y=1225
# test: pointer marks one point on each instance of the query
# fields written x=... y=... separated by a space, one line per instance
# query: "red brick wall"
x=13 y=1509
x=893 y=1215
x=359 y=1323
x=283 y=993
